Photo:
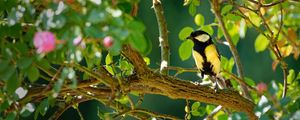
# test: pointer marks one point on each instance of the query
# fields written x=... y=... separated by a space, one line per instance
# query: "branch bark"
x=154 y=83
x=216 y=7
x=163 y=36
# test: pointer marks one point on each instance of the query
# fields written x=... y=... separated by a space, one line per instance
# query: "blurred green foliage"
x=22 y=68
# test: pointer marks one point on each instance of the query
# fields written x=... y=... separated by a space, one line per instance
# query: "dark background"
x=255 y=65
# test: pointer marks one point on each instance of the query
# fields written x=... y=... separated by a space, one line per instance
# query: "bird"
x=206 y=56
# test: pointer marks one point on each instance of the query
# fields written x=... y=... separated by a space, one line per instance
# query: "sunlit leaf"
x=261 y=43
x=208 y=29
x=199 y=19
x=185 y=49
x=226 y=9
x=291 y=76
x=185 y=32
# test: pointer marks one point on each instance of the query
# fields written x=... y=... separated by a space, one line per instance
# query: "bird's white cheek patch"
x=202 y=38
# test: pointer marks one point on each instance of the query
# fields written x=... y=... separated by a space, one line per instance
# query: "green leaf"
x=284 y=101
x=7 y=73
x=11 y=116
x=202 y=111
x=235 y=38
x=136 y=26
x=44 y=63
x=261 y=43
x=209 y=108
x=13 y=83
x=255 y=18
x=249 y=81
x=196 y=113
x=199 y=19
x=24 y=62
x=4 y=105
x=208 y=29
x=41 y=109
x=138 y=41
x=96 y=16
x=220 y=33
x=195 y=106
x=192 y=9
x=291 y=76
x=185 y=32
x=3 y=65
x=226 y=9
x=147 y=60
x=94 y=32
x=33 y=73
x=185 y=49
x=108 y=61
x=230 y=64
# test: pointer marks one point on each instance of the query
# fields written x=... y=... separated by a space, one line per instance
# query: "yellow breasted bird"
x=205 y=53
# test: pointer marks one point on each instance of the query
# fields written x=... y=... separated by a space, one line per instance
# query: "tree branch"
x=163 y=36
x=154 y=83
x=268 y=5
x=216 y=7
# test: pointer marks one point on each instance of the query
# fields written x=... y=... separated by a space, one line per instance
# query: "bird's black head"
x=199 y=35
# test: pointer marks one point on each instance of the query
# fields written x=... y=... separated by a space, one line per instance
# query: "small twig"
x=264 y=22
x=60 y=111
x=216 y=7
x=238 y=79
x=163 y=34
x=131 y=102
x=213 y=113
x=140 y=100
x=78 y=111
x=268 y=5
x=281 y=21
x=53 y=79
x=155 y=114
x=182 y=69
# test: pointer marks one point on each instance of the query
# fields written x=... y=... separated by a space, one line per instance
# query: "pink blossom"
x=77 y=40
x=108 y=41
x=261 y=88
x=44 y=41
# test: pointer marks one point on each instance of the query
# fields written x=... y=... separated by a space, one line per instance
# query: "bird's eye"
x=202 y=38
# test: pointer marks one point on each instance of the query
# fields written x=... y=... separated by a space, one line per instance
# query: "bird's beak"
x=189 y=37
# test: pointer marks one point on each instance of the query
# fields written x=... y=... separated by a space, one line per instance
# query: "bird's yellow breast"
x=212 y=56
x=198 y=60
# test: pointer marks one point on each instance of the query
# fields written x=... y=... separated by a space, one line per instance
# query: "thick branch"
x=153 y=83
x=216 y=8
x=163 y=35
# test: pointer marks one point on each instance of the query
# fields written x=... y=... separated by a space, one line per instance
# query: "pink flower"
x=44 y=41
x=261 y=88
x=108 y=41
x=77 y=40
